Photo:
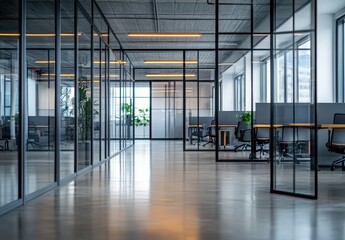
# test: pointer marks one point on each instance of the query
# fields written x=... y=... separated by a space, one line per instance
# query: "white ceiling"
x=330 y=6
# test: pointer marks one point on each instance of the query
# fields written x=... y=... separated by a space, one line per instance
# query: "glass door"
x=293 y=110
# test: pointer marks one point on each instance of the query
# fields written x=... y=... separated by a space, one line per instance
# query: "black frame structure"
x=124 y=82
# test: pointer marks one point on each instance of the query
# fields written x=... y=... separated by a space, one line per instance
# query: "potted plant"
x=246 y=117
x=142 y=118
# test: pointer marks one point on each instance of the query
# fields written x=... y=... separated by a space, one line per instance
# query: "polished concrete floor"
x=156 y=191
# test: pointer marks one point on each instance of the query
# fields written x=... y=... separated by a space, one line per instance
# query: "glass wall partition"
x=166 y=107
x=293 y=88
x=67 y=94
x=142 y=110
x=97 y=66
x=242 y=81
x=40 y=104
x=82 y=96
x=9 y=102
x=200 y=129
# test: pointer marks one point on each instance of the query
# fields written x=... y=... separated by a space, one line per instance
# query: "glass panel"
x=103 y=82
x=9 y=95
x=167 y=110
x=142 y=110
x=96 y=99
x=84 y=93
x=40 y=165
x=234 y=119
x=294 y=169
x=114 y=106
x=67 y=92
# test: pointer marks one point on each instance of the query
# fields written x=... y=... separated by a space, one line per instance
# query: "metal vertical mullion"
x=133 y=99
x=216 y=74
x=253 y=147
x=316 y=164
x=92 y=85
x=272 y=137
x=23 y=87
x=293 y=95
x=198 y=104
x=121 y=110
x=100 y=99
x=150 y=85
x=314 y=53
x=184 y=101
x=57 y=88
x=106 y=79
x=76 y=94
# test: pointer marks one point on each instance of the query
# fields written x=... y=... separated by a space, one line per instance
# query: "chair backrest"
x=262 y=133
x=240 y=126
x=287 y=134
x=338 y=134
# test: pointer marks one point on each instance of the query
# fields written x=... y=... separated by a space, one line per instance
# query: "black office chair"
x=243 y=134
x=211 y=133
x=285 y=143
x=262 y=138
x=200 y=134
x=336 y=140
x=291 y=143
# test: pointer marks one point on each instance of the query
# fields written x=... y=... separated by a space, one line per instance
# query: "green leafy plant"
x=142 y=118
x=246 y=117
x=85 y=111
x=127 y=108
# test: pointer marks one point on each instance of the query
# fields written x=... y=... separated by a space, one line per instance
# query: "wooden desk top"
x=264 y=125
x=305 y=125
x=331 y=126
x=224 y=125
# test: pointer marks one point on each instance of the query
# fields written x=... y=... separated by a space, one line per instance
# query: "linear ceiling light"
x=164 y=34
x=38 y=34
x=111 y=61
x=9 y=34
x=170 y=61
x=62 y=74
x=168 y=75
x=44 y=61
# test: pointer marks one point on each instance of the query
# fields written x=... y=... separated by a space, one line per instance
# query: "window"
x=239 y=93
x=284 y=84
x=340 y=56
x=304 y=72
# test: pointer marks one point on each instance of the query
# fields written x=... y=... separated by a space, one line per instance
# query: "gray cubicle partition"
x=303 y=114
x=284 y=113
x=228 y=117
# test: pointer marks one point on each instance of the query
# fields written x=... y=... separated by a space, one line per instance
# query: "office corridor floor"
x=156 y=191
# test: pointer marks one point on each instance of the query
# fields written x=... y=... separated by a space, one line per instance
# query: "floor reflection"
x=156 y=191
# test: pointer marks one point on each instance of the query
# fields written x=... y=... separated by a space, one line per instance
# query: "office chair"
x=285 y=143
x=243 y=134
x=200 y=134
x=290 y=145
x=262 y=138
x=211 y=133
x=336 y=140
